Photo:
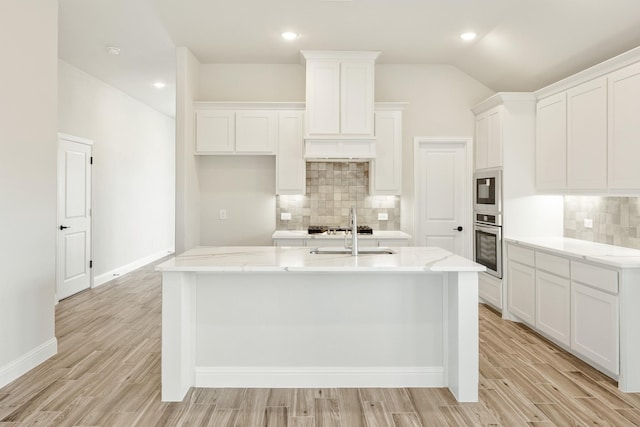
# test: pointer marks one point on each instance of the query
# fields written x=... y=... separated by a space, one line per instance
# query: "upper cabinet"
x=587 y=134
x=624 y=128
x=339 y=94
x=489 y=138
x=385 y=176
x=223 y=128
x=290 y=165
x=551 y=142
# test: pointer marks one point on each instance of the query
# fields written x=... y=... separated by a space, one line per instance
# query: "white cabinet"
x=521 y=293
x=386 y=169
x=290 y=164
x=553 y=297
x=339 y=94
x=587 y=135
x=215 y=131
x=235 y=132
x=256 y=131
x=624 y=128
x=551 y=142
x=489 y=139
x=594 y=315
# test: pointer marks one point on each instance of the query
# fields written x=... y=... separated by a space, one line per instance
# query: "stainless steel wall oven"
x=488 y=242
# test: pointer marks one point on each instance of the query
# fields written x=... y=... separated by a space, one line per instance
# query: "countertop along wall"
x=440 y=98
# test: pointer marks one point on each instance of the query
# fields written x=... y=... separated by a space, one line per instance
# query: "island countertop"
x=296 y=259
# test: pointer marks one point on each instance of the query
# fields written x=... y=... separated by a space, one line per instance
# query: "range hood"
x=340 y=149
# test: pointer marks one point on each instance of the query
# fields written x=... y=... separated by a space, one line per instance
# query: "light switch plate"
x=285 y=216
x=588 y=223
x=223 y=214
x=383 y=216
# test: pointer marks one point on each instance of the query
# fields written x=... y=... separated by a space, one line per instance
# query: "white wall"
x=133 y=171
x=245 y=187
x=28 y=125
x=440 y=99
x=187 y=187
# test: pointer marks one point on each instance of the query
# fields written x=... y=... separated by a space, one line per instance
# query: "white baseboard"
x=28 y=361
x=114 y=274
x=315 y=377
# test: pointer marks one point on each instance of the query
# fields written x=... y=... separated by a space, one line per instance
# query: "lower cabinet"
x=572 y=302
x=522 y=291
x=553 y=303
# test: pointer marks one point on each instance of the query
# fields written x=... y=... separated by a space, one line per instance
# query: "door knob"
x=459 y=228
x=62 y=227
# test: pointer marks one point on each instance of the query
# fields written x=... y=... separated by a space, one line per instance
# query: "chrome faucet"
x=353 y=223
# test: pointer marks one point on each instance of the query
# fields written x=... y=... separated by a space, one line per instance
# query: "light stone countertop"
x=293 y=259
x=615 y=256
x=377 y=234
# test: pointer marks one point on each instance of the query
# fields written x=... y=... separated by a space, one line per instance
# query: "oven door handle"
x=489 y=230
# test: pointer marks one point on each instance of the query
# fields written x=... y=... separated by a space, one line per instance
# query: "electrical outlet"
x=383 y=216
x=285 y=216
x=588 y=223
x=223 y=214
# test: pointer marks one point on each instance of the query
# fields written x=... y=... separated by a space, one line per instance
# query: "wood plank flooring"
x=107 y=373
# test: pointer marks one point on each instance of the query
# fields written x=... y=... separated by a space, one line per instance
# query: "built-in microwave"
x=487 y=191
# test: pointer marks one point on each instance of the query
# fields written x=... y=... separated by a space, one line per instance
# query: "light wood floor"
x=107 y=372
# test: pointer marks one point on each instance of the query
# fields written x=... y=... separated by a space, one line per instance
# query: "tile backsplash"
x=616 y=220
x=332 y=188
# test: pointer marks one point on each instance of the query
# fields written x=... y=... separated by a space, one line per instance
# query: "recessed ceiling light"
x=468 y=36
x=113 y=50
x=289 y=35
x=159 y=85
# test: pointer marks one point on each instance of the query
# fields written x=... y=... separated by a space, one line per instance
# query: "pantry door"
x=443 y=199
x=73 y=270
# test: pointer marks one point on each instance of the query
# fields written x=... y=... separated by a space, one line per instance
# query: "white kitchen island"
x=283 y=317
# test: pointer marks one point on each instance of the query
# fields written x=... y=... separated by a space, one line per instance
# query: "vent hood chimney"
x=339 y=122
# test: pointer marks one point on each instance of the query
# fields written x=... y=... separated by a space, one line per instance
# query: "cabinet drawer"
x=596 y=277
x=553 y=264
x=522 y=255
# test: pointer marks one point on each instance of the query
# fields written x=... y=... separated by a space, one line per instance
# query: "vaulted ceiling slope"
x=522 y=45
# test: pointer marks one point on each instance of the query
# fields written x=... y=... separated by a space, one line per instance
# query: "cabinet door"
x=215 y=131
x=494 y=141
x=290 y=164
x=256 y=131
x=594 y=326
x=482 y=140
x=553 y=306
x=551 y=142
x=323 y=97
x=386 y=178
x=521 y=291
x=624 y=128
x=587 y=135
x=356 y=98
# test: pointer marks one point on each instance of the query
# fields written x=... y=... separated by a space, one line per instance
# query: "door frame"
x=423 y=142
x=79 y=140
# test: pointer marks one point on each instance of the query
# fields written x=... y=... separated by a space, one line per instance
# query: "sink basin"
x=343 y=251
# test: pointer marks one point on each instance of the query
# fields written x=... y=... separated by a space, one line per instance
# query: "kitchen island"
x=284 y=317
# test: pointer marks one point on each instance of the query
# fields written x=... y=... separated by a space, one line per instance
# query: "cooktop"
x=319 y=229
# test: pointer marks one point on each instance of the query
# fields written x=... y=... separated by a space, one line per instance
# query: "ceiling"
x=522 y=45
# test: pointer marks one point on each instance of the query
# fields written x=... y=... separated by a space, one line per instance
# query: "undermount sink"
x=343 y=251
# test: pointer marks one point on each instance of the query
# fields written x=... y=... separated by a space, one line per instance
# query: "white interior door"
x=442 y=171
x=74 y=216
